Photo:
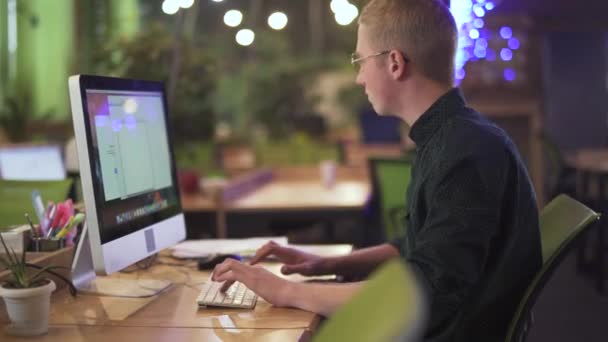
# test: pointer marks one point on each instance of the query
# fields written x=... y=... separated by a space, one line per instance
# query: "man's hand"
x=272 y=288
x=295 y=261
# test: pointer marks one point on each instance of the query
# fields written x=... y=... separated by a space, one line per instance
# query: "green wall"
x=3 y=49
x=47 y=44
x=45 y=30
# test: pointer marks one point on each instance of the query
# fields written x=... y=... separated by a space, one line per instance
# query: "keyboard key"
x=237 y=296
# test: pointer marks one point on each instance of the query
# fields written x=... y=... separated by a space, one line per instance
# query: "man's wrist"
x=328 y=265
x=286 y=295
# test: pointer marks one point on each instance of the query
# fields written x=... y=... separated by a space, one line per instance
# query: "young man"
x=473 y=234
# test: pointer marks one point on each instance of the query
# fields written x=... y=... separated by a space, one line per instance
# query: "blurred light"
x=481 y=43
x=478 y=23
x=233 y=18
x=245 y=37
x=513 y=43
x=479 y=11
x=218 y=0
x=490 y=55
x=481 y=2
x=116 y=125
x=480 y=52
x=506 y=54
x=129 y=106
x=490 y=6
x=460 y=74
x=510 y=74
x=338 y=5
x=186 y=3
x=170 y=6
x=277 y=20
x=130 y=122
x=474 y=34
x=506 y=32
x=346 y=15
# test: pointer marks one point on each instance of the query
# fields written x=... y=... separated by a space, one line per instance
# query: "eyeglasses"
x=355 y=59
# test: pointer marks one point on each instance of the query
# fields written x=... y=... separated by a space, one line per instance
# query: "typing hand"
x=261 y=281
x=295 y=261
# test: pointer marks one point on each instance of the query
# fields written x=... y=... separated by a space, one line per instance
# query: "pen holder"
x=46 y=245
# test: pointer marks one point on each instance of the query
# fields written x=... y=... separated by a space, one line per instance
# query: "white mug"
x=327 y=168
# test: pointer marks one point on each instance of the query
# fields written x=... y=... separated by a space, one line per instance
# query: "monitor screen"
x=131 y=162
x=31 y=163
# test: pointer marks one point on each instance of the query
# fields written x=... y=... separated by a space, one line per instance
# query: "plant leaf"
x=43 y=270
x=6 y=249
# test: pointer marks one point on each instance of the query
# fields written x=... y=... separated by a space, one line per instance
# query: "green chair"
x=561 y=222
x=16 y=199
x=390 y=179
x=389 y=307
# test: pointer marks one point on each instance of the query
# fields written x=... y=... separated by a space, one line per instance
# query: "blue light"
x=474 y=34
x=481 y=1
x=481 y=43
x=510 y=74
x=480 y=52
x=513 y=43
x=460 y=74
x=506 y=32
x=478 y=23
x=490 y=6
x=491 y=55
x=479 y=11
x=506 y=54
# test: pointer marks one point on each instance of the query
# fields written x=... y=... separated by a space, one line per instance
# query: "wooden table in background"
x=291 y=191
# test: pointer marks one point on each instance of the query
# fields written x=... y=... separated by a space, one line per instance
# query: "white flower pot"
x=28 y=309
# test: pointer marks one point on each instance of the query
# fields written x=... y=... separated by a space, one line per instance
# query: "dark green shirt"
x=473 y=235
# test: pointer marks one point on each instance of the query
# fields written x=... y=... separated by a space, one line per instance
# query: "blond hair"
x=424 y=30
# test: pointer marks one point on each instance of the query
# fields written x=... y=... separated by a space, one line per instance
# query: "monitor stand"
x=86 y=280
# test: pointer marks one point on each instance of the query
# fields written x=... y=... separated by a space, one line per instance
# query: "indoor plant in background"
x=27 y=294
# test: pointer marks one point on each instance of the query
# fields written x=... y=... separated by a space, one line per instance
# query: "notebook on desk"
x=247 y=247
x=201 y=248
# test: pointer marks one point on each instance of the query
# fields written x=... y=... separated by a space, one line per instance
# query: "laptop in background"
x=32 y=163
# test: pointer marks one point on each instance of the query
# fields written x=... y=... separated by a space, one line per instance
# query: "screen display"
x=31 y=163
x=131 y=160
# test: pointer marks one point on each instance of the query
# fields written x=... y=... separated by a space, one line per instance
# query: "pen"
x=73 y=222
x=38 y=206
x=34 y=232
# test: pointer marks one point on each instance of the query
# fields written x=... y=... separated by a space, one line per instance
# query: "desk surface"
x=71 y=333
x=290 y=194
x=590 y=160
x=174 y=313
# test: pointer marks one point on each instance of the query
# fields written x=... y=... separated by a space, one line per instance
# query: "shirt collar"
x=424 y=128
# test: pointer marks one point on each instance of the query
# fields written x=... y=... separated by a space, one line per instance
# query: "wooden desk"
x=295 y=191
x=74 y=333
x=173 y=313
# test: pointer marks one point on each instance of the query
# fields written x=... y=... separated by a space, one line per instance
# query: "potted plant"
x=27 y=295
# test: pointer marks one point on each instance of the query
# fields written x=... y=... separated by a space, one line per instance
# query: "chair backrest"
x=16 y=199
x=389 y=307
x=390 y=179
x=561 y=222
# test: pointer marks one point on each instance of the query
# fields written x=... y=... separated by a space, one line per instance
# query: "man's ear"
x=397 y=64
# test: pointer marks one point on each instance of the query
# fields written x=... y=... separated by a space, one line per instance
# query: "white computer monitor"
x=31 y=163
x=127 y=169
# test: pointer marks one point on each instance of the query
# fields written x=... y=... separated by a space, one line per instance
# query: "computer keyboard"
x=237 y=296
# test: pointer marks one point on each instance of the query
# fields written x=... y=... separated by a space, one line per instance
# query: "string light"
x=473 y=37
